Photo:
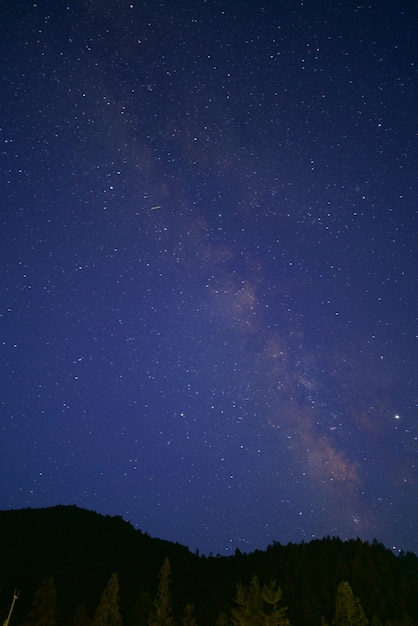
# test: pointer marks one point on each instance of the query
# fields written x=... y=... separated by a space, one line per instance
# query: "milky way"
x=208 y=268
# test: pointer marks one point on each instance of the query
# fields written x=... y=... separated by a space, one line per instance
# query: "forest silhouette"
x=75 y=567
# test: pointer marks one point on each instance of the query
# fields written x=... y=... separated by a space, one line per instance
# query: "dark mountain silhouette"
x=80 y=549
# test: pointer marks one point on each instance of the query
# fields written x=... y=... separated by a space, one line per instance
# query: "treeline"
x=253 y=605
x=73 y=555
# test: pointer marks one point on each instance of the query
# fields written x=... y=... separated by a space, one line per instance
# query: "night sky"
x=209 y=253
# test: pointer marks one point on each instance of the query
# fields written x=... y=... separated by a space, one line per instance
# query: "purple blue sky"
x=208 y=305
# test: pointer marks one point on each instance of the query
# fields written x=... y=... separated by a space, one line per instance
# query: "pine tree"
x=276 y=615
x=162 y=615
x=108 y=612
x=256 y=606
x=43 y=611
x=188 y=617
x=348 y=610
x=248 y=604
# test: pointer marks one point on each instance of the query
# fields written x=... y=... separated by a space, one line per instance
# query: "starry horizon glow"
x=208 y=278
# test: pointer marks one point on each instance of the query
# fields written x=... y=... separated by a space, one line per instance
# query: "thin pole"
x=15 y=597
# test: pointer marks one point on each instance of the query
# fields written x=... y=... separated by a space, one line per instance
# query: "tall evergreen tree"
x=348 y=610
x=188 y=616
x=256 y=606
x=248 y=604
x=275 y=615
x=162 y=615
x=108 y=612
x=43 y=609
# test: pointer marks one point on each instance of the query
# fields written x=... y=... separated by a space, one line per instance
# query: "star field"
x=208 y=308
